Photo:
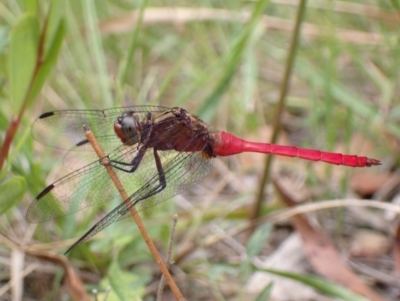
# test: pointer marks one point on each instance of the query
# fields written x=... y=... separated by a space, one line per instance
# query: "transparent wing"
x=63 y=129
x=91 y=185
x=182 y=171
x=87 y=186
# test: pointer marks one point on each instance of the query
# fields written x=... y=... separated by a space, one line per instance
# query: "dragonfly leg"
x=160 y=170
x=134 y=164
x=132 y=201
x=125 y=207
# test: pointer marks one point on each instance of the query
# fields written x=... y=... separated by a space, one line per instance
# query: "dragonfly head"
x=128 y=128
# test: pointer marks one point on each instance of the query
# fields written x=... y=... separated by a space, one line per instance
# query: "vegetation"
x=223 y=61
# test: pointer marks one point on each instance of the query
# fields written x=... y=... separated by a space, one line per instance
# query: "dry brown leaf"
x=367 y=183
x=323 y=256
x=72 y=281
x=368 y=243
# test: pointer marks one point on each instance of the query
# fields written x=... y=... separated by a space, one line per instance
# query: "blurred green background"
x=221 y=60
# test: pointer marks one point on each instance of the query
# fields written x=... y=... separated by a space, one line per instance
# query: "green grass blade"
x=97 y=50
x=231 y=61
x=258 y=240
x=265 y=293
x=127 y=62
x=49 y=61
x=321 y=284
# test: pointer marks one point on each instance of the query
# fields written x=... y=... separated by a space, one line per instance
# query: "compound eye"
x=127 y=128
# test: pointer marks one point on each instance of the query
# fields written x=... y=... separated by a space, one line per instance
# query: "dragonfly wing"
x=79 y=156
x=82 y=188
x=91 y=185
x=181 y=170
x=87 y=186
x=64 y=129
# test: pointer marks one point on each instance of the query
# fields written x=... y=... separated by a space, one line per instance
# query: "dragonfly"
x=156 y=152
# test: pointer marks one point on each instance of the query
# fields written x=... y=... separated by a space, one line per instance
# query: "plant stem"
x=92 y=140
x=255 y=211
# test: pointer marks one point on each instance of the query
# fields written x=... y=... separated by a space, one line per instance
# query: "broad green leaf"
x=22 y=59
x=319 y=283
x=49 y=61
x=30 y=6
x=11 y=193
x=125 y=286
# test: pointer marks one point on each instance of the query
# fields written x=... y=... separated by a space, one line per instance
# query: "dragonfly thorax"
x=128 y=128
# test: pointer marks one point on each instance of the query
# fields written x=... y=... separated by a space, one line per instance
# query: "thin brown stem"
x=174 y=288
x=255 y=211
x=15 y=122
x=169 y=254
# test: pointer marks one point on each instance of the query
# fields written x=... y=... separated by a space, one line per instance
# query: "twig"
x=285 y=214
x=255 y=211
x=107 y=293
x=168 y=261
x=95 y=295
x=92 y=140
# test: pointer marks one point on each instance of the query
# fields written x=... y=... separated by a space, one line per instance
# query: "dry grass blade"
x=180 y=15
x=168 y=259
x=72 y=280
x=349 y=8
x=18 y=273
x=277 y=122
x=323 y=255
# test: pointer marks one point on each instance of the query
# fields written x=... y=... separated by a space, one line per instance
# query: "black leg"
x=134 y=164
x=157 y=189
x=160 y=170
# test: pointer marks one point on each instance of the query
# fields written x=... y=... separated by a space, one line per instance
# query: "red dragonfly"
x=157 y=152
